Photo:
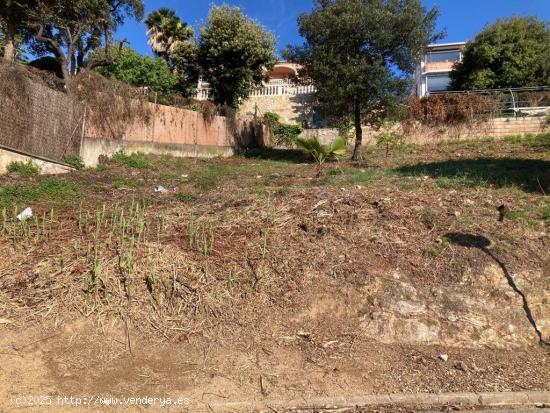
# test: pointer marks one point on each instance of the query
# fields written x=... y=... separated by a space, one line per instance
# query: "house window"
x=452 y=56
x=438 y=83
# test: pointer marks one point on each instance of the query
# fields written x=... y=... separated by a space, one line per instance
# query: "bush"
x=136 y=160
x=283 y=135
x=390 y=140
x=75 y=161
x=449 y=109
x=23 y=168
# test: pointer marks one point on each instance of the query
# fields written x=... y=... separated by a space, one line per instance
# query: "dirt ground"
x=257 y=278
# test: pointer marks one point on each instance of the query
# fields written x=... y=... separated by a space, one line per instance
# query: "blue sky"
x=461 y=18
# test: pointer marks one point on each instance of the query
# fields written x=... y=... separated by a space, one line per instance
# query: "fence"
x=40 y=121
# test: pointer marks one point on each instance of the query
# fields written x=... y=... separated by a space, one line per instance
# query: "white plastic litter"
x=185 y=176
x=160 y=188
x=25 y=215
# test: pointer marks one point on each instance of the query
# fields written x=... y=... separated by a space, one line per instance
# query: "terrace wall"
x=41 y=122
x=171 y=130
x=46 y=166
x=496 y=128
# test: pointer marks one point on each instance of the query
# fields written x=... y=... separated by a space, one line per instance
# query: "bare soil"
x=251 y=278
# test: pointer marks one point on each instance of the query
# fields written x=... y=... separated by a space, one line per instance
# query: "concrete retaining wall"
x=496 y=128
x=92 y=149
x=46 y=167
x=174 y=131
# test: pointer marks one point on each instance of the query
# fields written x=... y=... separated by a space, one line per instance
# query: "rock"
x=444 y=357
x=303 y=334
x=460 y=366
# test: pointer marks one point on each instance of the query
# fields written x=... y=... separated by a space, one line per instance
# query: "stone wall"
x=496 y=128
x=292 y=109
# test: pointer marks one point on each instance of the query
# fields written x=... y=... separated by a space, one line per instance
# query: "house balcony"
x=275 y=87
x=446 y=66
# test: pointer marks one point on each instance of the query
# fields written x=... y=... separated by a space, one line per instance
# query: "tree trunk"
x=65 y=70
x=9 y=46
x=358 y=132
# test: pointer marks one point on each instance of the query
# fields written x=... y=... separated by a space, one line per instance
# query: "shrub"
x=23 y=168
x=283 y=135
x=136 y=160
x=391 y=140
x=449 y=108
x=75 y=161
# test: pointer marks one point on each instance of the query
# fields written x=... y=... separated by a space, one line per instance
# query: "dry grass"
x=257 y=254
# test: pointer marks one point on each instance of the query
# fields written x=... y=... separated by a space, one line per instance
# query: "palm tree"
x=166 y=31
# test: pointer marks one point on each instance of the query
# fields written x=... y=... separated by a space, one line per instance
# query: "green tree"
x=173 y=40
x=234 y=54
x=510 y=53
x=360 y=54
x=70 y=29
x=165 y=30
x=13 y=19
x=141 y=71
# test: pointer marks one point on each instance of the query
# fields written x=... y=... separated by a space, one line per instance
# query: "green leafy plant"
x=282 y=134
x=75 y=161
x=23 y=168
x=389 y=140
x=322 y=153
x=136 y=160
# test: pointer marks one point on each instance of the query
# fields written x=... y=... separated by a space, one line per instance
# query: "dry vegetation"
x=250 y=276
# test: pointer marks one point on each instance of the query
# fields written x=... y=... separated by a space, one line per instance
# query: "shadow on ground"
x=272 y=154
x=531 y=175
x=483 y=244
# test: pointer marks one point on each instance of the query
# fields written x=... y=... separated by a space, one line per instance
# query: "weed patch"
x=186 y=197
x=53 y=189
x=136 y=160
x=120 y=182
x=75 y=161
x=209 y=177
x=23 y=168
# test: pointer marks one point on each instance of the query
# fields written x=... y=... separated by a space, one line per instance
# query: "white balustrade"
x=273 y=88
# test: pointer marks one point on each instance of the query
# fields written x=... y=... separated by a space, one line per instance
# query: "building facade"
x=278 y=94
x=433 y=72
